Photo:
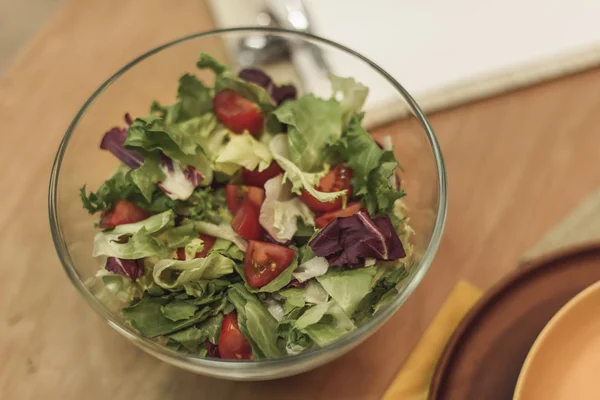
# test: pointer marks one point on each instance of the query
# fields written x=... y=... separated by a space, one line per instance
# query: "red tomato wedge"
x=238 y=113
x=265 y=261
x=337 y=179
x=245 y=221
x=232 y=344
x=255 y=178
x=236 y=194
x=209 y=242
x=325 y=219
x=123 y=212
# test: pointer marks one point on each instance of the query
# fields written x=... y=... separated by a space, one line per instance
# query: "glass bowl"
x=154 y=75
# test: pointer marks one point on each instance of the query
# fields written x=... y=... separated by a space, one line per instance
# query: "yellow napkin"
x=413 y=380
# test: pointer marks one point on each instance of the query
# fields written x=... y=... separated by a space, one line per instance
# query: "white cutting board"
x=447 y=52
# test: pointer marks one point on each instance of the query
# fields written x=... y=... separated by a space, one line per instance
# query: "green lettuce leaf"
x=179 y=310
x=194 y=100
x=383 y=292
x=192 y=338
x=120 y=186
x=352 y=95
x=207 y=204
x=172 y=274
x=178 y=141
x=371 y=169
x=324 y=323
x=294 y=298
x=206 y=291
x=348 y=286
x=280 y=211
x=142 y=243
x=314 y=125
x=147 y=317
x=255 y=322
x=298 y=178
x=119 y=286
x=243 y=151
x=148 y=175
x=295 y=340
x=223 y=231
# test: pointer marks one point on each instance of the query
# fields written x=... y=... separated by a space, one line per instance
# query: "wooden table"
x=516 y=165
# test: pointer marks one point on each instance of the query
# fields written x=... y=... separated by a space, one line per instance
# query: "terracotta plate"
x=484 y=357
x=564 y=361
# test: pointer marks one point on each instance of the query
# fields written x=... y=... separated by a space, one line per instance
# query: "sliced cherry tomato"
x=255 y=178
x=123 y=212
x=209 y=242
x=326 y=218
x=265 y=261
x=238 y=113
x=337 y=179
x=245 y=221
x=236 y=194
x=232 y=344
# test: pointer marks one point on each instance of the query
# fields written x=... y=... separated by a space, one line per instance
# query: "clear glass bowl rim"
x=220 y=367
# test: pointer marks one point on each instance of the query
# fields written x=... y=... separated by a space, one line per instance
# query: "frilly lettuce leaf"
x=223 y=231
x=243 y=151
x=314 y=125
x=298 y=178
x=173 y=274
x=371 y=169
x=280 y=211
x=350 y=93
x=207 y=204
x=142 y=243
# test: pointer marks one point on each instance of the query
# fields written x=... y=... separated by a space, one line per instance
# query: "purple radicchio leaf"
x=283 y=93
x=211 y=349
x=279 y=94
x=113 y=141
x=348 y=241
x=180 y=182
x=131 y=268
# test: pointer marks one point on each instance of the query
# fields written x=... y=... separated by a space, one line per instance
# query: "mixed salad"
x=247 y=222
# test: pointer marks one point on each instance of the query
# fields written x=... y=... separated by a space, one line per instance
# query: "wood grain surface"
x=516 y=165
